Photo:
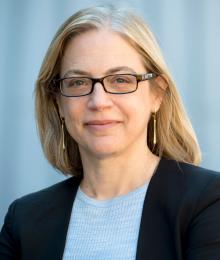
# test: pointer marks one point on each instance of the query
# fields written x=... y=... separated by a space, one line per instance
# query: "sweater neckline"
x=112 y=201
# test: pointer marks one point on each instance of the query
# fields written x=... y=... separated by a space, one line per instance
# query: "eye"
x=76 y=82
x=121 y=79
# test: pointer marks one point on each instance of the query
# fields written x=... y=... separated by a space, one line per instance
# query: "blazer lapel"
x=155 y=237
x=56 y=230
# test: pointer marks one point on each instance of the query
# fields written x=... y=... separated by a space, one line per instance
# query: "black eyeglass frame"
x=139 y=78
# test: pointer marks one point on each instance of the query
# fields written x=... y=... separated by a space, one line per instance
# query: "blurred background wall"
x=188 y=33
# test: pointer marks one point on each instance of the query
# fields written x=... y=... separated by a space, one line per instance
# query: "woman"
x=110 y=116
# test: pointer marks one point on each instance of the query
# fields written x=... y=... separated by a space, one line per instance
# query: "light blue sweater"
x=105 y=229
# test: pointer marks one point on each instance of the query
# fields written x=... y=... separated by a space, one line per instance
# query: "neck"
x=110 y=177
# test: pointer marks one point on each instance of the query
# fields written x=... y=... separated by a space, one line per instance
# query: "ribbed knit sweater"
x=105 y=229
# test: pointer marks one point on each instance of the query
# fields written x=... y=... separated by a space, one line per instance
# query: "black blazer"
x=180 y=218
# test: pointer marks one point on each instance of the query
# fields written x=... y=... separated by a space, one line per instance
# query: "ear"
x=161 y=82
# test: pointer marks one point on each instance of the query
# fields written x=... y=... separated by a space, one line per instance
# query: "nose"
x=99 y=99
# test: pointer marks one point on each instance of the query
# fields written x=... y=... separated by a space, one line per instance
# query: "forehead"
x=97 y=51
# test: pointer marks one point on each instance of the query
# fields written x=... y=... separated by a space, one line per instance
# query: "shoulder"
x=194 y=170
x=184 y=187
x=58 y=189
x=186 y=175
x=188 y=198
x=32 y=214
x=46 y=198
x=200 y=183
x=198 y=211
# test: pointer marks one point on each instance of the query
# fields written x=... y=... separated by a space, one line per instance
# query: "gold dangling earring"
x=154 y=128
x=63 y=136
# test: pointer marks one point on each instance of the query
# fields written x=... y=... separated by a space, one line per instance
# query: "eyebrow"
x=126 y=69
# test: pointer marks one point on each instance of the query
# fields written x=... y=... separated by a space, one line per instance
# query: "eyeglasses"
x=113 y=84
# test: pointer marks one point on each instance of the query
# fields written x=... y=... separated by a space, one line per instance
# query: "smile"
x=101 y=124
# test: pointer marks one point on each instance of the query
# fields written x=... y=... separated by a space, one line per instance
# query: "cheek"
x=137 y=113
x=72 y=114
x=142 y=105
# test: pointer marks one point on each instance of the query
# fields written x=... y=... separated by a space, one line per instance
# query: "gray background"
x=188 y=33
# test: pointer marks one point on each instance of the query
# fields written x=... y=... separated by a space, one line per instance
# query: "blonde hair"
x=175 y=136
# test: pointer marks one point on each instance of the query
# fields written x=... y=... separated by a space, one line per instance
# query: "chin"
x=104 y=152
x=103 y=149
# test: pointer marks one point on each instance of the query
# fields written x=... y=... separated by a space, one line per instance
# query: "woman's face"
x=106 y=124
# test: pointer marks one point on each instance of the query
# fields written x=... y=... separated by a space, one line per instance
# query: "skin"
x=114 y=153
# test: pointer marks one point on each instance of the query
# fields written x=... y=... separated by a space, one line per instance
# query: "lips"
x=101 y=124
